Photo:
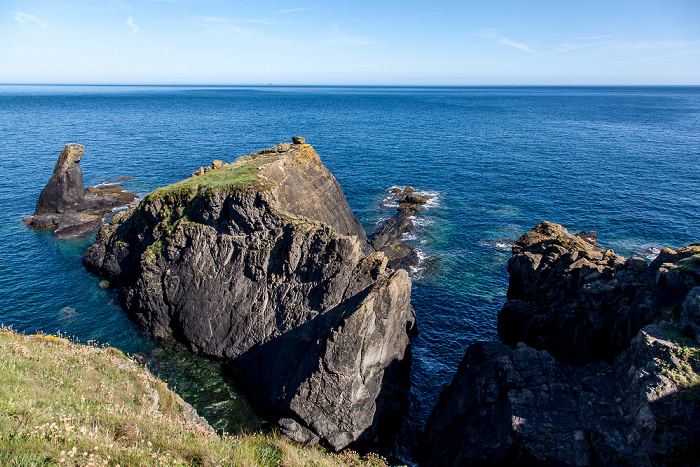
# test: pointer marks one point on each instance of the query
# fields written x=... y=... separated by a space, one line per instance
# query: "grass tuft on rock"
x=63 y=403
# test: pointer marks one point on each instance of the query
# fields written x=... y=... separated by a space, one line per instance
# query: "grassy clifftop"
x=63 y=403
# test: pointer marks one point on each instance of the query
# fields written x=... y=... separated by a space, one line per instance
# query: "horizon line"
x=270 y=85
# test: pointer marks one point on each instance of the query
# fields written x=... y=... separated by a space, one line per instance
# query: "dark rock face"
x=520 y=407
x=263 y=262
x=606 y=387
x=65 y=189
x=580 y=302
x=389 y=237
x=66 y=206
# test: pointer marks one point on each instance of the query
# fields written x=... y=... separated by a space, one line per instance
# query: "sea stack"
x=65 y=189
x=66 y=206
x=262 y=262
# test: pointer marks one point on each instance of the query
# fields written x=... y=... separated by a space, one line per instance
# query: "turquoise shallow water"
x=622 y=161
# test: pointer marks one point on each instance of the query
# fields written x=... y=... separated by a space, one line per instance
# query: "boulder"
x=263 y=263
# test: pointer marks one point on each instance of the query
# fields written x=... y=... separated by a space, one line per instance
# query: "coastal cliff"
x=602 y=366
x=261 y=261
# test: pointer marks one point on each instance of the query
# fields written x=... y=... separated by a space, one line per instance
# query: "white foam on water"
x=648 y=251
x=67 y=311
x=408 y=236
x=500 y=244
x=415 y=272
x=505 y=246
x=422 y=221
x=421 y=255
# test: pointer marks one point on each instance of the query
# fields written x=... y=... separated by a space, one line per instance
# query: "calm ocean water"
x=622 y=161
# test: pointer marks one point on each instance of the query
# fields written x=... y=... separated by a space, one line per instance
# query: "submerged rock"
x=262 y=262
x=66 y=206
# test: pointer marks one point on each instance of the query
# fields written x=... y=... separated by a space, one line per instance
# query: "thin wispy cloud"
x=619 y=46
x=517 y=45
x=495 y=34
x=295 y=10
x=22 y=18
x=342 y=39
x=134 y=28
x=122 y=5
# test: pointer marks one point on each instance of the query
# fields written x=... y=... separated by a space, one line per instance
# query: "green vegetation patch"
x=63 y=403
x=242 y=175
x=690 y=265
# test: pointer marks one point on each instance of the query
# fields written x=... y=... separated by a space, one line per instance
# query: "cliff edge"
x=261 y=261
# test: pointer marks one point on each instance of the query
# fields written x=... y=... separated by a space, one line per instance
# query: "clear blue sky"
x=398 y=42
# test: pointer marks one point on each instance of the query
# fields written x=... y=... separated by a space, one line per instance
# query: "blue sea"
x=623 y=161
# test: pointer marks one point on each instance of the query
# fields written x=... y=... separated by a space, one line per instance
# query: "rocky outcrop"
x=262 y=262
x=520 y=407
x=389 y=236
x=614 y=374
x=581 y=302
x=66 y=206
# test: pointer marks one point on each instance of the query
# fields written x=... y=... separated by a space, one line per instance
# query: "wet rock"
x=388 y=238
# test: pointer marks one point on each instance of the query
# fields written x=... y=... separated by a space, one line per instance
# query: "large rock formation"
x=262 y=261
x=604 y=387
x=66 y=206
x=580 y=302
x=521 y=407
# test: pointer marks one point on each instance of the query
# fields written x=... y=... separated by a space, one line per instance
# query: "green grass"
x=63 y=403
x=239 y=176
